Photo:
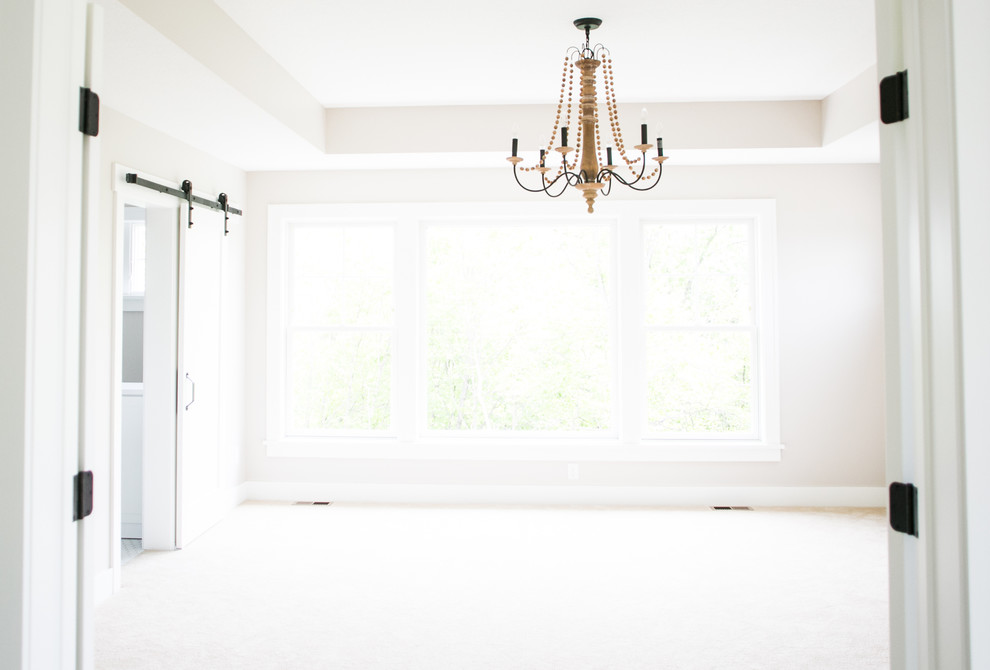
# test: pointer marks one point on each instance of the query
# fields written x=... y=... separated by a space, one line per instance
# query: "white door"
x=200 y=308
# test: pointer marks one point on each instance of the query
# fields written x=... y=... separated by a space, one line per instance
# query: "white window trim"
x=761 y=217
x=408 y=440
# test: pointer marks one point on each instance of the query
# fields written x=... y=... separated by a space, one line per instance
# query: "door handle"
x=193 y=398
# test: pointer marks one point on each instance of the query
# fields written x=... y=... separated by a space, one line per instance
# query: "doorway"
x=144 y=452
x=169 y=275
x=132 y=381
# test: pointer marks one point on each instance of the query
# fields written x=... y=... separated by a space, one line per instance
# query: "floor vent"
x=323 y=503
x=718 y=507
x=309 y=502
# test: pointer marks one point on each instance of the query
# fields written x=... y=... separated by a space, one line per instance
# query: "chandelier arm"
x=526 y=188
x=558 y=193
x=546 y=187
x=567 y=182
x=630 y=184
x=607 y=189
x=642 y=171
x=569 y=177
x=615 y=176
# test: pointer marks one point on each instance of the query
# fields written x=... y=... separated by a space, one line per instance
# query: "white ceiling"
x=456 y=52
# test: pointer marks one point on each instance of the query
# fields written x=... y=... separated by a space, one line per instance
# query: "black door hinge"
x=89 y=112
x=82 y=495
x=904 y=508
x=894 y=97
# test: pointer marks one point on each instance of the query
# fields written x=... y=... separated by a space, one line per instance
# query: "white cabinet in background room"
x=131 y=459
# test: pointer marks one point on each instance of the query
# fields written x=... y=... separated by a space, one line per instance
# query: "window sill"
x=532 y=450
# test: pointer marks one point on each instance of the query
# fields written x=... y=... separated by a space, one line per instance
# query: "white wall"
x=15 y=147
x=141 y=148
x=133 y=349
x=830 y=328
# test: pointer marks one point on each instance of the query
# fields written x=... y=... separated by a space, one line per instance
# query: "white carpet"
x=369 y=587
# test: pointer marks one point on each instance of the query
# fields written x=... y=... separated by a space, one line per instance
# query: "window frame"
x=760 y=217
x=752 y=328
x=630 y=441
x=289 y=328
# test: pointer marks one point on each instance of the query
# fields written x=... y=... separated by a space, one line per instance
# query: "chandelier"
x=589 y=178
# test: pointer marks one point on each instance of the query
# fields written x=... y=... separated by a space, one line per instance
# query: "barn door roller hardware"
x=221 y=204
x=225 y=206
x=187 y=189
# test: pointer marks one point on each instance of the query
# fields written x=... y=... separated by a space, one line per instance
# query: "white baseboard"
x=236 y=495
x=222 y=502
x=130 y=529
x=768 y=496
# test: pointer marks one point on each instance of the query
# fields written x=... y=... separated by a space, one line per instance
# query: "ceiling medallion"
x=590 y=179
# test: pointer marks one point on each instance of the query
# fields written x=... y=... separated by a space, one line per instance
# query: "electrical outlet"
x=573 y=471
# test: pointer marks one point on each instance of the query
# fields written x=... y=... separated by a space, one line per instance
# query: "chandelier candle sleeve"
x=583 y=172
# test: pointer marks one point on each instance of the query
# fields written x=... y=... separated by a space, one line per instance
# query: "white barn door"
x=199 y=408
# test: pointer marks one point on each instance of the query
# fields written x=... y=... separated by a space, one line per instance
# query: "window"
x=134 y=250
x=518 y=320
x=338 y=328
x=701 y=328
x=515 y=330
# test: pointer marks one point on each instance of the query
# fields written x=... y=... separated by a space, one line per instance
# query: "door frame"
x=929 y=373
x=159 y=481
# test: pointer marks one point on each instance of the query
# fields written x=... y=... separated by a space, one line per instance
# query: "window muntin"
x=518 y=328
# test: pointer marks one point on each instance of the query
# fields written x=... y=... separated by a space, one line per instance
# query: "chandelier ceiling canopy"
x=586 y=170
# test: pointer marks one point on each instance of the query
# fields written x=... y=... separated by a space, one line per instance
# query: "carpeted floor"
x=369 y=587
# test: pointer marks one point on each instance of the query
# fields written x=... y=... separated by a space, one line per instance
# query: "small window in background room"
x=134 y=250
